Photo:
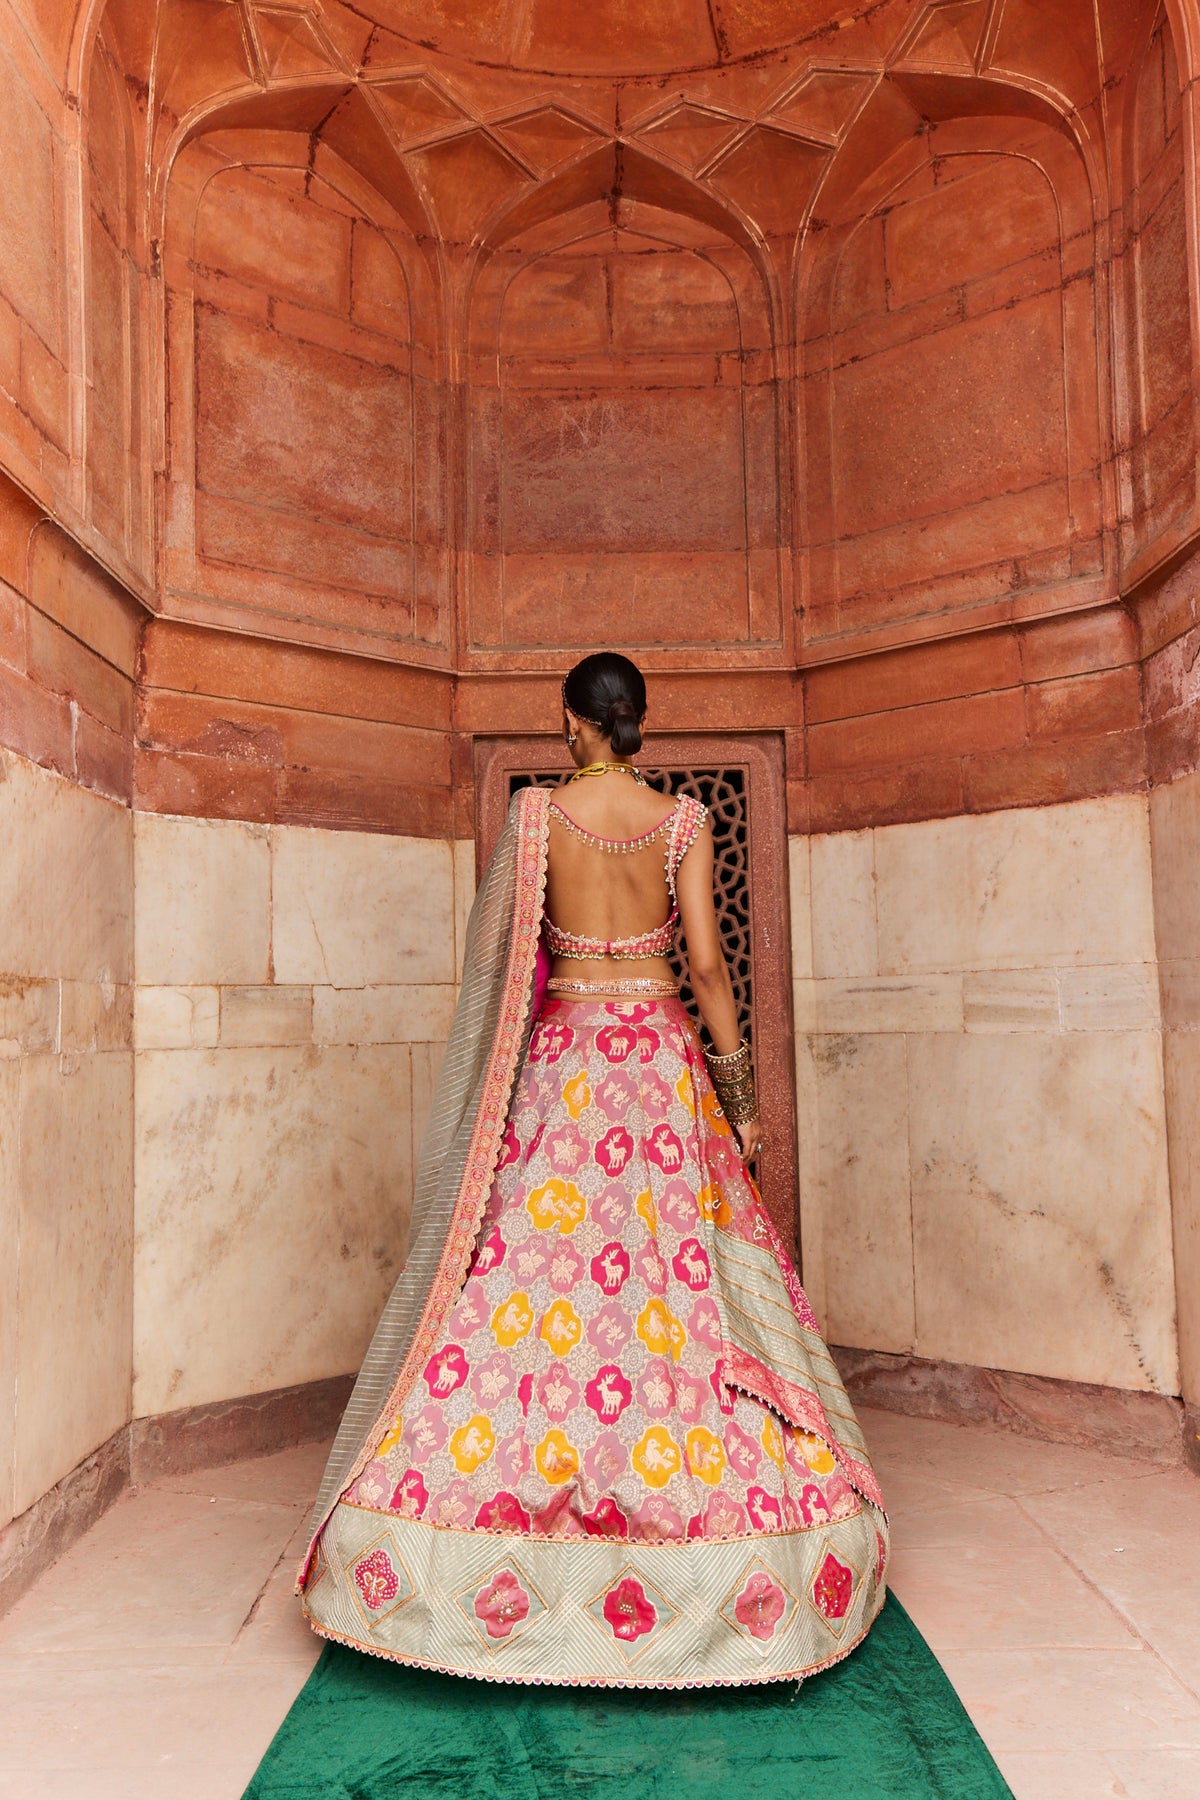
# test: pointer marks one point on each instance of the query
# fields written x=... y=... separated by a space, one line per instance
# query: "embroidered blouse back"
x=606 y=886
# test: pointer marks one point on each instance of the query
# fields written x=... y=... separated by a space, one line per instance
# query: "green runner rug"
x=883 y=1725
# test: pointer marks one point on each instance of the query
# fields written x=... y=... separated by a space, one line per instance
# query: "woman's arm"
x=706 y=960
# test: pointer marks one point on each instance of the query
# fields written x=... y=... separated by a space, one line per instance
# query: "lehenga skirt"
x=585 y=1483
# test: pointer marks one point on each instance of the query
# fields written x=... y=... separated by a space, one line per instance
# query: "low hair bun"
x=622 y=727
x=608 y=690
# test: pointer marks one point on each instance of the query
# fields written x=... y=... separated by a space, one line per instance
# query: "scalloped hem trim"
x=607 y=1681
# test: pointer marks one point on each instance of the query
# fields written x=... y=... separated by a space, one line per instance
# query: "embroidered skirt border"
x=598 y=1611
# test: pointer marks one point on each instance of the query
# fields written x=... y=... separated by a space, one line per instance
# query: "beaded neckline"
x=617 y=846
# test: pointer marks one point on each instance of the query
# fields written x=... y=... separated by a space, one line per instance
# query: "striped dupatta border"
x=399 y=1351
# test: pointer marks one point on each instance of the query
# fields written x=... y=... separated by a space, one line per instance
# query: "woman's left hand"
x=749 y=1139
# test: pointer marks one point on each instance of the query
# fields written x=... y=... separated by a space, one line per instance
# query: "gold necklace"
x=598 y=768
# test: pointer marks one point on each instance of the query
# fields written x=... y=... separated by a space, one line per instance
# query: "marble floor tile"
x=100 y=1719
x=1071 y=1699
x=1059 y=1775
x=1138 y=1542
x=1151 y=1774
x=158 y=1573
x=1032 y=1569
x=988 y=1459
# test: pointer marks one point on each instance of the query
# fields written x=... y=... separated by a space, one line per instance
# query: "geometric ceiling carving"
x=824 y=101
x=945 y=36
x=545 y=137
x=689 y=134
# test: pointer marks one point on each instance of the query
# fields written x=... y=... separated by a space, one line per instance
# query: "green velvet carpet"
x=883 y=1725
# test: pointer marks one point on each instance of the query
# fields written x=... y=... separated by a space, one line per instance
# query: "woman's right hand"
x=749 y=1139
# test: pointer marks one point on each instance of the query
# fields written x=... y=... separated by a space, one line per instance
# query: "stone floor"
x=1060 y=1588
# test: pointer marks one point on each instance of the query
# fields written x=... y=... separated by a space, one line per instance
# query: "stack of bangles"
x=733 y=1078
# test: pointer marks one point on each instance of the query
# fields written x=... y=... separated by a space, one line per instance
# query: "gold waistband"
x=584 y=990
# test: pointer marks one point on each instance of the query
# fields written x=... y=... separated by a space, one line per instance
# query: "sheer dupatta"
x=488 y=1041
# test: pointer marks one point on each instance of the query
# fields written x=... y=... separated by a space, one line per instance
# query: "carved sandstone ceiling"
x=485 y=102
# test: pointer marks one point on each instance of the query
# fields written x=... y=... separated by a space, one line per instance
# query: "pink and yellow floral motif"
x=558 y=1205
x=472 y=1444
x=660 y=1330
x=760 y=1606
x=629 y=1610
x=656 y=1456
x=502 y=1604
x=577 y=1095
x=638 y=1382
x=376 y=1579
x=815 y=1451
x=561 y=1327
x=608 y=1394
x=705 y=1455
x=557 y=1458
x=512 y=1320
x=833 y=1585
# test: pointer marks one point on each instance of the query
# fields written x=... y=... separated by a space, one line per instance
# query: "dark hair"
x=609 y=692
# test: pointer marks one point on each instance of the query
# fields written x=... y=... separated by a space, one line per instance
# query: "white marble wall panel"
x=66 y=1122
x=273 y=1197
x=353 y=908
x=979 y=1076
x=1033 y=887
x=66 y=896
x=1041 y=1210
x=864 y=1253
x=844 y=923
x=275 y=1083
x=203 y=901
x=1175 y=841
x=10 y=1103
x=75 y=1246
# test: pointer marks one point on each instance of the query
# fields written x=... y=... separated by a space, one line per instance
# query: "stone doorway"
x=740 y=778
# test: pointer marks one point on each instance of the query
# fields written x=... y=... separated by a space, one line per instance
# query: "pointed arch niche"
x=952 y=369
x=623 y=450
x=304 y=421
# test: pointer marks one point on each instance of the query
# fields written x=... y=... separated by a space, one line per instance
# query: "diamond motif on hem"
x=632 y=1613
x=378 y=1581
x=759 y=1607
x=832 y=1590
x=502 y=1606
